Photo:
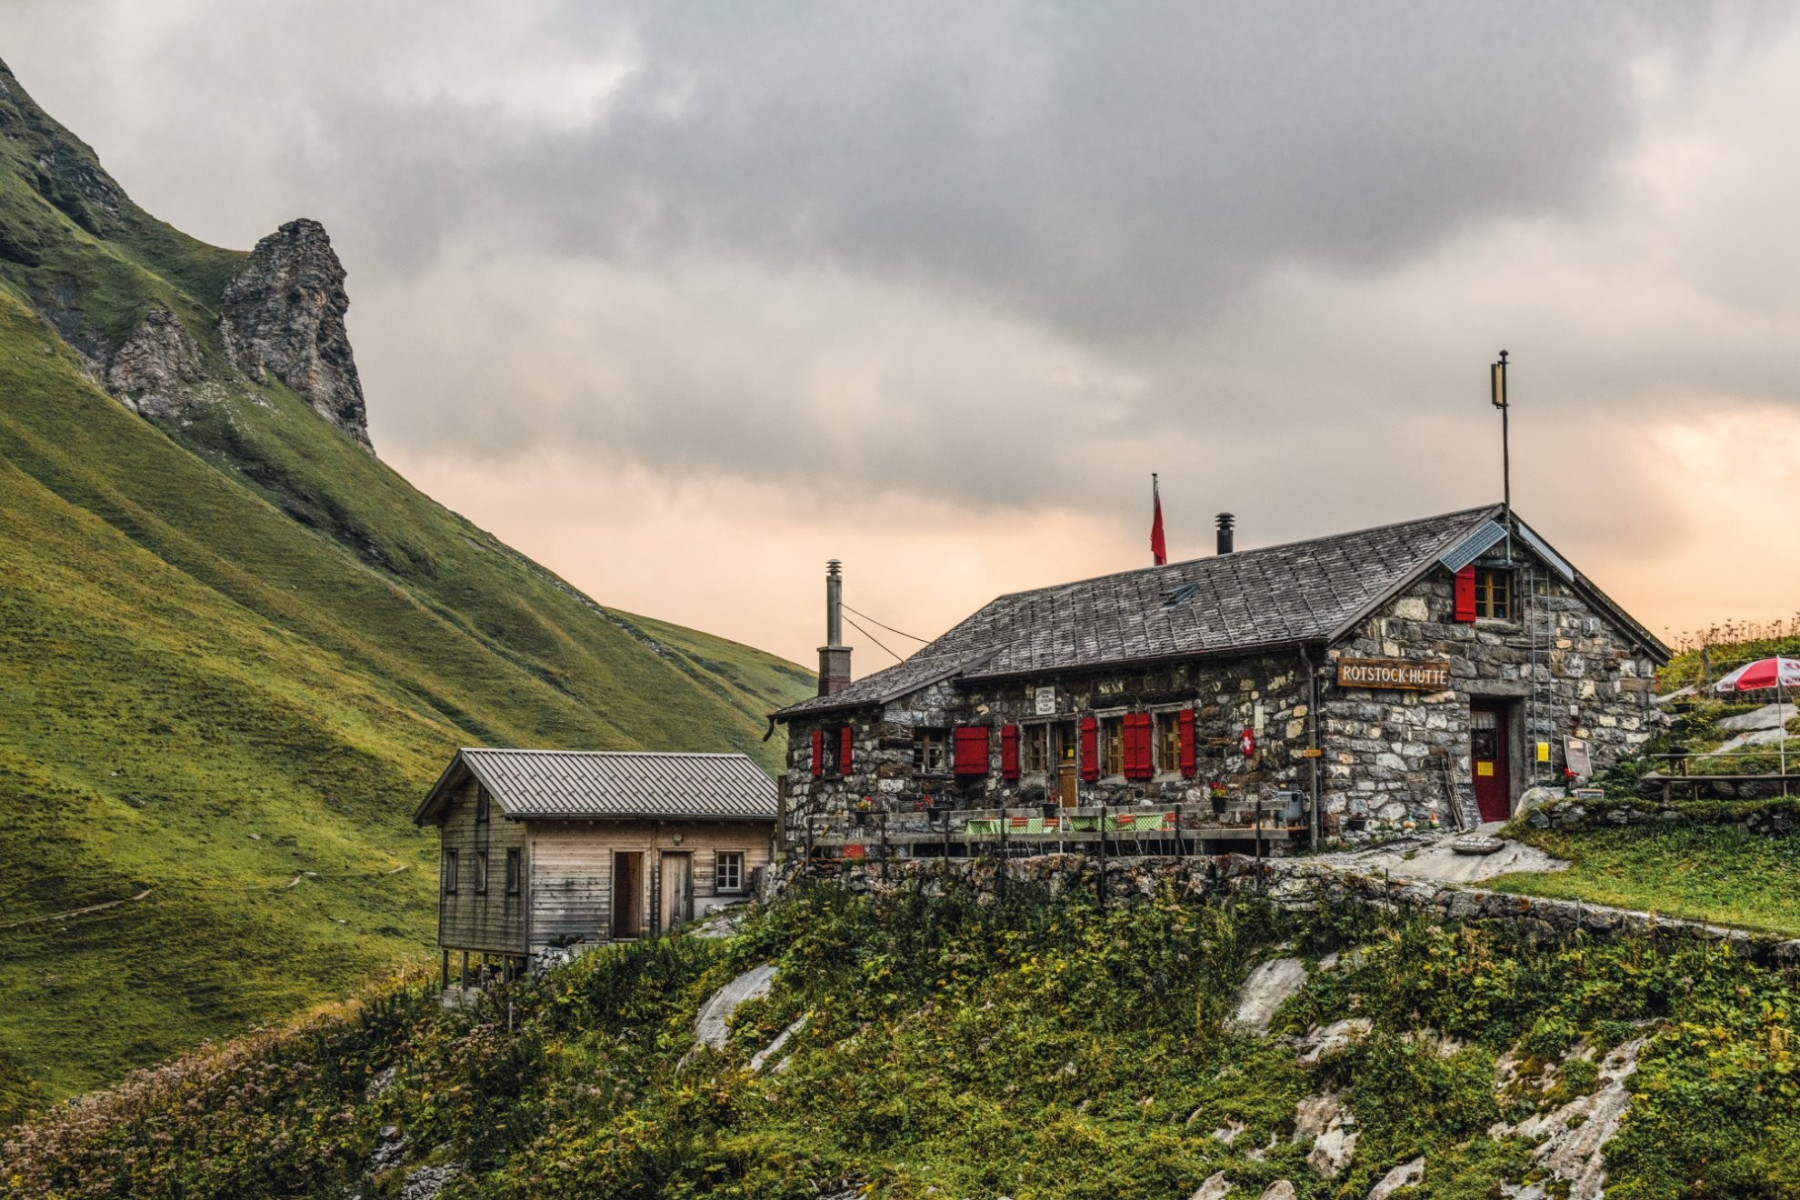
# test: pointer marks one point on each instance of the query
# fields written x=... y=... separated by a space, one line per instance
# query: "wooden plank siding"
x=492 y=921
x=570 y=865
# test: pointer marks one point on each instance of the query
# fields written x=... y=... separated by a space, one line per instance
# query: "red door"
x=1490 y=761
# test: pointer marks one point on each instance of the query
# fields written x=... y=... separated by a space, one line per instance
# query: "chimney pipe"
x=1226 y=521
x=834 y=656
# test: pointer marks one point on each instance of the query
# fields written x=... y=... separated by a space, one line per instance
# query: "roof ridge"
x=1241 y=554
x=607 y=753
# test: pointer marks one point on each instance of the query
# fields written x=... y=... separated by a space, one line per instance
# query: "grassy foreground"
x=1030 y=1048
x=1706 y=872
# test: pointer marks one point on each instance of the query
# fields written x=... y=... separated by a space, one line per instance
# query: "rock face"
x=284 y=312
x=157 y=370
x=1269 y=986
x=711 y=1025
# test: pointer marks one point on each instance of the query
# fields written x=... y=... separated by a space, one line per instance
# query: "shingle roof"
x=1277 y=595
x=614 y=783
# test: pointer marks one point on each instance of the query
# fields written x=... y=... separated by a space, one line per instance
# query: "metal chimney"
x=1226 y=521
x=834 y=656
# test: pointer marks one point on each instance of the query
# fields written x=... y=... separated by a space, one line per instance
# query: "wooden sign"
x=1575 y=756
x=1393 y=673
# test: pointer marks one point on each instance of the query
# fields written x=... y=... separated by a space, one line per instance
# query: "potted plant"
x=1219 y=795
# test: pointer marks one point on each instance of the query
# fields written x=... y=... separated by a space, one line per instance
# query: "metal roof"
x=575 y=784
x=1253 y=600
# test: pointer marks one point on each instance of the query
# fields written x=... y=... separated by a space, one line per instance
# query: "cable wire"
x=873 y=638
x=865 y=616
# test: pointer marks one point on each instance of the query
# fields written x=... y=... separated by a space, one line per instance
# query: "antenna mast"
x=1497 y=382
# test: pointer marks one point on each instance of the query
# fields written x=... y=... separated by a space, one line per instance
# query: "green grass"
x=1706 y=872
x=236 y=649
x=956 y=1046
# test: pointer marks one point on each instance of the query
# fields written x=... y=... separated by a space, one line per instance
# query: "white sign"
x=1046 y=702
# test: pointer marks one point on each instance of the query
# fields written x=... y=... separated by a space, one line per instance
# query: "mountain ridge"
x=237 y=646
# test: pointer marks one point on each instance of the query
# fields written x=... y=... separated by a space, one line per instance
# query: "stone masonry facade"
x=1560 y=669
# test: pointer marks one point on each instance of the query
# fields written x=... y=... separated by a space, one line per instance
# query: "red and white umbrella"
x=1778 y=673
x=1762 y=674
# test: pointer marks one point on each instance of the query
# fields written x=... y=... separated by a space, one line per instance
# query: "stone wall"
x=1299 y=883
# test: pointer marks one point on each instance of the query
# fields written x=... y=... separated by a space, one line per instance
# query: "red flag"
x=1159 y=549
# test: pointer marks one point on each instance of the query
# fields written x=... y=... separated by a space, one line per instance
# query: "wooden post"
x=946 y=836
x=1180 y=846
x=444 y=970
x=1102 y=886
x=1259 y=852
x=463 y=979
x=884 y=846
x=1000 y=884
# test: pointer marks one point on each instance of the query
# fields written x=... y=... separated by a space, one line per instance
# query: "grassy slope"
x=1707 y=872
x=1033 y=1048
x=236 y=648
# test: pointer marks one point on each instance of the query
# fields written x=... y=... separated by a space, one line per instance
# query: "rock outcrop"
x=158 y=369
x=284 y=312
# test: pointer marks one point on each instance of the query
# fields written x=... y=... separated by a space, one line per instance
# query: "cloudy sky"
x=684 y=299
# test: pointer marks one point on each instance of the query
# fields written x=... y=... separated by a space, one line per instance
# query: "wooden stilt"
x=444 y=971
x=463 y=979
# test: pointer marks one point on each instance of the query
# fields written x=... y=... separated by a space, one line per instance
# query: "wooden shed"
x=544 y=848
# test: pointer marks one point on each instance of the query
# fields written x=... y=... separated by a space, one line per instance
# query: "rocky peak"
x=158 y=368
x=284 y=312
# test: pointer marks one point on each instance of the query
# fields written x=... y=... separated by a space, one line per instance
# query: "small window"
x=449 y=872
x=1036 y=749
x=1112 y=746
x=481 y=872
x=481 y=804
x=515 y=862
x=1168 y=741
x=1493 y=594
x=932 y=756
x=728 y=871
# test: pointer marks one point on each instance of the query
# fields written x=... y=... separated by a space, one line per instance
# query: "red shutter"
x=1189 y=766
x=1009 y=751
x=844 y=743
x=818 y=766
x=971 y=750
x=1140 y=758
x=1465 y=594
x=1090 y=748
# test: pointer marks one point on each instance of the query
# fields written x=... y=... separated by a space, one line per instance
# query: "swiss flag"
x=1159 y=549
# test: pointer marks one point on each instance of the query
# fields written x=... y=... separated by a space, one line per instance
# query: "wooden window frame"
x=449 y=872
x=932 y=744
x=1034 y=748
x=1493 y=594
x=737 y=858
x=481 y=873
x=1166 y=742
x=1112 y=747
x=515 y=871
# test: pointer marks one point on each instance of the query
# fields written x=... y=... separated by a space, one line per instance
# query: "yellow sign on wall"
x=1482 y=768
x=1543 y=751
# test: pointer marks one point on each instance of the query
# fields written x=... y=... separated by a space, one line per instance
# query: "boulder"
x=1269 y=986
x=1405 y=1175
x=712 y=1025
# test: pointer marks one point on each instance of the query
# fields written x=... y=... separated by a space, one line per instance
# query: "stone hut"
x=1371 y=677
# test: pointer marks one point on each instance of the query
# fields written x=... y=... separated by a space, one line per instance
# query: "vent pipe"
x=1226 y=521
x=834 y=656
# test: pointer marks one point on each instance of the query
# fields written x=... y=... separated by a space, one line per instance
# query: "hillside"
x=237 y=647
x=1032 y=1048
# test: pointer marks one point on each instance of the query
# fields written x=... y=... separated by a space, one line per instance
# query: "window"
x=1493 y=594
x=931 y=754
x=481 y=804
x=481 y=872
x=1037 y=749
x=1112 y=746
x=1168 y=741
x=449 y=872
x=515 y=864
x=1068 y=742
x=728 y=871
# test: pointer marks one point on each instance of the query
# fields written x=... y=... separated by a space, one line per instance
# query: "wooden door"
x=628 y=894
x=1066 y=787
x=677 y=889
x=1490 y=760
